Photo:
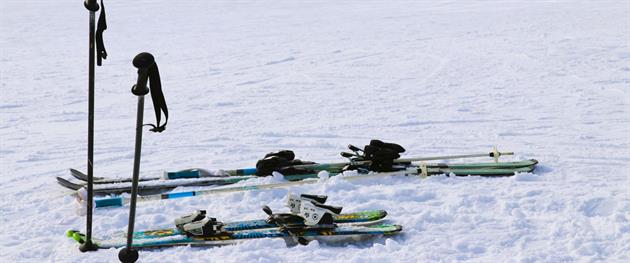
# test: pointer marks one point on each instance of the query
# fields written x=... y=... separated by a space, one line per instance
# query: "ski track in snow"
x=548 y=80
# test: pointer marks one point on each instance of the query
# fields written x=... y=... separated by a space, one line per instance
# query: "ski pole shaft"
x=92 y=7
x=142 y=61
x=136 y=168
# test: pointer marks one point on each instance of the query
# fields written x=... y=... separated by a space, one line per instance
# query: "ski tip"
x=70 y=232
x=75 y=235
x=78 y=237
x=382 y=214
x=390 y=229
x=67 y=184
x=78 y=174
x=82 y=176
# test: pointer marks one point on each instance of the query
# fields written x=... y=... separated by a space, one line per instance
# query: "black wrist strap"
x=159 y=102
x=100 y=46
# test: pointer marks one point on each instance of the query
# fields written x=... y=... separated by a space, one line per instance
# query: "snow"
x=546 y=79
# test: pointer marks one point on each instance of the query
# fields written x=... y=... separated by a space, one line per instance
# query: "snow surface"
x=549 y=80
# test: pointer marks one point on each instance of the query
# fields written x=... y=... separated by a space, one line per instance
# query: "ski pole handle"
x=142 y=61
x=91 y=5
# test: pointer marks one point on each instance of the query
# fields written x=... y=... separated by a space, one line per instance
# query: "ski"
x=183 y=174
x=355 y=218
x=308 y=218
x=331 y=167
x=231 y=237
x=422 y=171
x=154 y=187
x=167 y=185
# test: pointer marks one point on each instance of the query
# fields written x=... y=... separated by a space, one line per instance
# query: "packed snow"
x=547 y=79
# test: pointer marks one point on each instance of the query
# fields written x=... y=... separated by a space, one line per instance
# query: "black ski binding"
x=380 y=154
x=282 y=162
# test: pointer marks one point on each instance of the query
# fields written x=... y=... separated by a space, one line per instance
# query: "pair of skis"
x=331 y=167
x=293 y=227
x=199 y=177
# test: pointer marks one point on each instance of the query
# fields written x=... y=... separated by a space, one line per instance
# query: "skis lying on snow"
x=308 y=219
x=149 y=187
x=493 y=169
x=315 y=167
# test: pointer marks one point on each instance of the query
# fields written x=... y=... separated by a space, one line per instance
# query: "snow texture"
x=547 y=79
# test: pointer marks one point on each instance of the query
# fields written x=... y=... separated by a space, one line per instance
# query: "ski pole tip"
x=128 y=255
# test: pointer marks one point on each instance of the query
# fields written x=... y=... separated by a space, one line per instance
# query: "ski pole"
x=92 y=6
x=129 y=254
x=422 y=171
x=146 y=68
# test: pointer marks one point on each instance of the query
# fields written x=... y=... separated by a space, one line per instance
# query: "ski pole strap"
x=100 y=46
x=148 y=71
x=159 y=102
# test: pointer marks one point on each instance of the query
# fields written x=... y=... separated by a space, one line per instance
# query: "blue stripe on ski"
x=178 y=195
x=246 y=171
x=114 y=201
x=182 y=174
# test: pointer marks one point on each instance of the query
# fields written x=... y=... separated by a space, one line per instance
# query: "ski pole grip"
x=143 y=62
x=91 y=5
x=492 y=154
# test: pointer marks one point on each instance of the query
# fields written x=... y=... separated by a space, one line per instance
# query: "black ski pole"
x=146 y=68
x=92 y=6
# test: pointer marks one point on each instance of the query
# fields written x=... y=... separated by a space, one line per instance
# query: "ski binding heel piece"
x=318 y=214
x=206 y=227
x=195 y=216
x=294 y=202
